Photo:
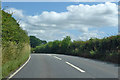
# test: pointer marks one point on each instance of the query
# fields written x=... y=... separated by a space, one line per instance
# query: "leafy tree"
x=65 y=44
x=36 y=41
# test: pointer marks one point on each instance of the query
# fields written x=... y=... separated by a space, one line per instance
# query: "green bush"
x=106 y=49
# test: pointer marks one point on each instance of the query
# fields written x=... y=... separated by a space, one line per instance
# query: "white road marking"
x=57 y=58
x=19 y=68
x=75 y=67
x=49 y=54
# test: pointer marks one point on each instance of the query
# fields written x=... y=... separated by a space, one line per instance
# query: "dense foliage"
x=107 y=49
x=0 y=44
x=15 y=44
x=36 y=42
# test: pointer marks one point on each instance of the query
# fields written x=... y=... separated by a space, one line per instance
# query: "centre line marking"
x=75 y=67
x=57 y=58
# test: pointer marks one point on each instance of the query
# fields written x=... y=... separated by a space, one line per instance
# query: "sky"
x=56 y=20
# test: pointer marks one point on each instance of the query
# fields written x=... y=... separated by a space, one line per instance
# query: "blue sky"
x=31 y=9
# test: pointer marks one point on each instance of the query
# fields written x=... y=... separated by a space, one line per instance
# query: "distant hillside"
x=15 y=44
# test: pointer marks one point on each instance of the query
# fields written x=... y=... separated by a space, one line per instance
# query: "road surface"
x=64 y=66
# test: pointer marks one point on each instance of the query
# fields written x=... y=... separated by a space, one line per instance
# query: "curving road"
x=63 y=66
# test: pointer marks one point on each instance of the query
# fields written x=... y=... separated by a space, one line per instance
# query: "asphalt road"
x=63 y=66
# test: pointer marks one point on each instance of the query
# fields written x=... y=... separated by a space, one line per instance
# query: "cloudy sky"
x=55 y=20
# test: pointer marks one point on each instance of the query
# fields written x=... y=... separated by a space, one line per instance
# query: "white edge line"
x=75 y=67
x=57 y=58
x=19 y=68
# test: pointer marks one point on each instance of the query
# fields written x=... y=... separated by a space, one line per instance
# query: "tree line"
x=106 y=49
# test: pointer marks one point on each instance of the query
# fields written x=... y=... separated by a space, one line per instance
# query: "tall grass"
x=13 y=57
x=0 y=61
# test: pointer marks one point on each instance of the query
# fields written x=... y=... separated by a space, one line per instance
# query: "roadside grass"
x=0 y=62
x=15 y=59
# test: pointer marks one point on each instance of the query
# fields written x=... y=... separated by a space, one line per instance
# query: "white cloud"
x=91 y=34
x=52 y=25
